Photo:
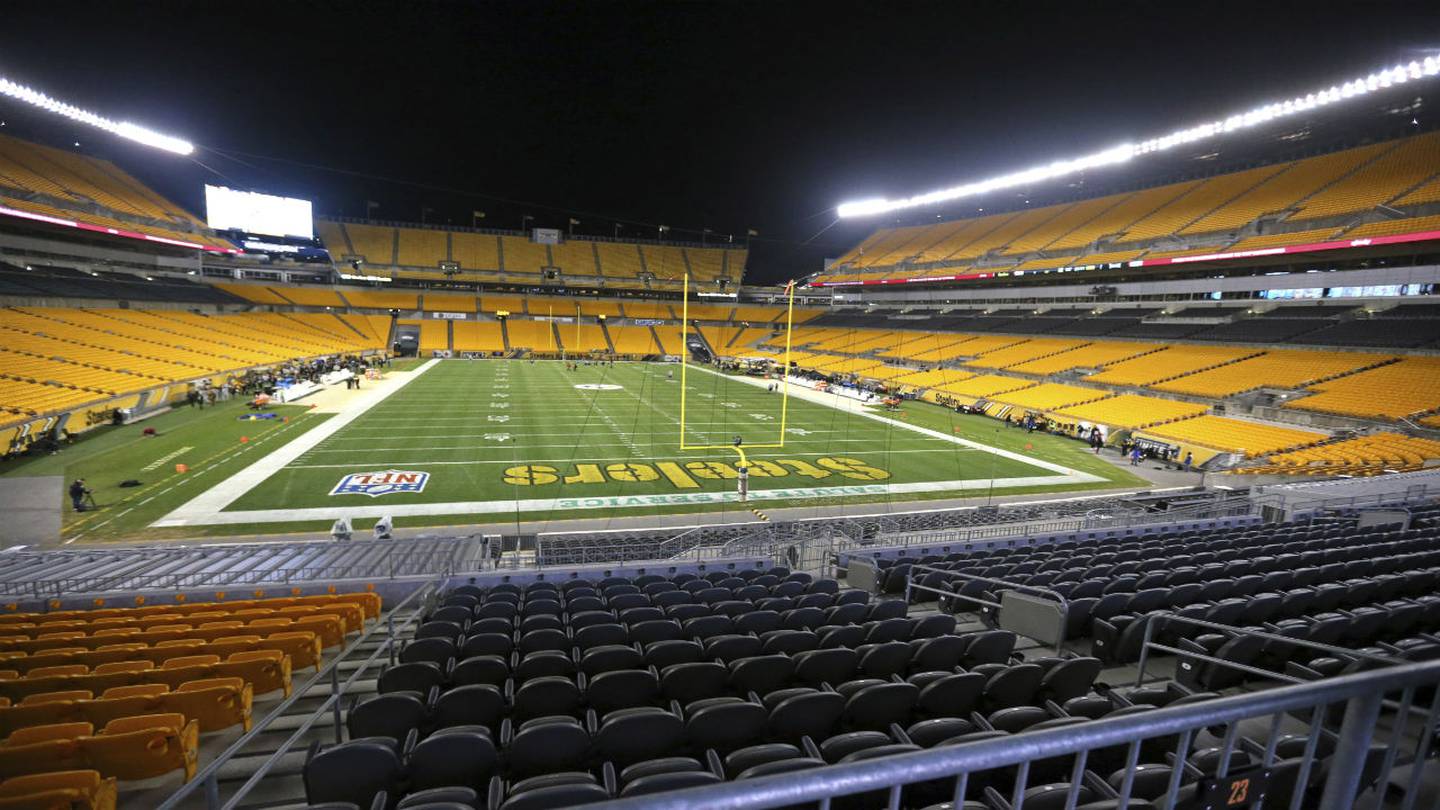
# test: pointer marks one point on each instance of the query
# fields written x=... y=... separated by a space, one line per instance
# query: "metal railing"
x=1331 y=784
x=760 y=539
x=1407 y=488
x=208 y=778
x=920 y=570
x=914 y=527
x=27 y=575
x=1148 y=646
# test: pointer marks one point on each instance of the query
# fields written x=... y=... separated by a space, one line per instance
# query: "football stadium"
x=537 y=455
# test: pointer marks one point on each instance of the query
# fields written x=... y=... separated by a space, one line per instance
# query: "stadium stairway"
x=345 y=326
x=696 y=334
x=609 y=343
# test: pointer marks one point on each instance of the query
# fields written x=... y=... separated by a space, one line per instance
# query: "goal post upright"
x=684 y=353
x=784 y=376
x=785 y=370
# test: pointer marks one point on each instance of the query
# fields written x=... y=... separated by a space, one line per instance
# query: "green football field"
x=485 y=442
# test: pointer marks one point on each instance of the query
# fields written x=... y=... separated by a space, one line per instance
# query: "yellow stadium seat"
x=136 y=690
x=63 y=669
x=1132 y=411
x=191 y=661
x=228 y=624
x=55 y=657
x=175 y=647
x=1348 y=182
x=57 y=697
x=59 y=790
x=216 y=703
x=303 y=647
x=1408 y=386
x=46 y=733
x=1235 y=435
x=145 y=746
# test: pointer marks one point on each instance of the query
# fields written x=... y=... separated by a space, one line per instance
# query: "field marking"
x=603 y=460
x=200 y=468
x=330 y=513
x=212 y=500
x=668 y=433
x=518 y=445
x=206 y=509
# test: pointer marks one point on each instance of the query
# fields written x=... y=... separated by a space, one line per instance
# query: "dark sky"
x=722 y=115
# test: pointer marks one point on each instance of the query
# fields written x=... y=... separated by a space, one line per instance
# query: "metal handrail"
x=1148 y=643
x=394 y=560
x=208 y=777
x=822 y=784
x=1016 y=586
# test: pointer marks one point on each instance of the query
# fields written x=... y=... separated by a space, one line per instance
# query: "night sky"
x=726 y=115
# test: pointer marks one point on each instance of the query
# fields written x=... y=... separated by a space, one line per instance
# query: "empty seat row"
x=328 y=629
x=136 y=747
x=265 y=670
x=369 y=602
x=303 y=647
x=215 y=703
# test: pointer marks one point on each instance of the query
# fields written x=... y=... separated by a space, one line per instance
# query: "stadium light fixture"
x=1390 y=77
x=124 y=129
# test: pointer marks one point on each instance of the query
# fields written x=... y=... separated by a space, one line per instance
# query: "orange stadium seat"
x=59 y=790
x=136 y=747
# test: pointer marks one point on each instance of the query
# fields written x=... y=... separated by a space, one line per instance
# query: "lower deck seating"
x=151 y=679
x=1362 y=455
x=214 y=703
x=137 y=747
x=1133 y=411
x=1236 y=435
x=1408 y=386
x=559 y=695
x=477 y=336
x=67 y=790
x=632 y=339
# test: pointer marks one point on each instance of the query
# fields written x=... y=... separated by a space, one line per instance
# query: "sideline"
x=200 y=509
x=330 y=513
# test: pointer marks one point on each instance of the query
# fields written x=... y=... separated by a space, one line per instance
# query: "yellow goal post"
x=784 y=377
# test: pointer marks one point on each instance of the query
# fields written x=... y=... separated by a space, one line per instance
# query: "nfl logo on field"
x=380 y=483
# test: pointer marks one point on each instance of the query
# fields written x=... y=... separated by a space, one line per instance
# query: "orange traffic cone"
x=244 y=439
x=182 y=468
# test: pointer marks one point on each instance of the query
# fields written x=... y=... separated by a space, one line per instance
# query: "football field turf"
x=490 y=441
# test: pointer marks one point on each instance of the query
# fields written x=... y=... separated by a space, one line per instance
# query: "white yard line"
x=330 y=513
x=212 y=500
x=568 y=459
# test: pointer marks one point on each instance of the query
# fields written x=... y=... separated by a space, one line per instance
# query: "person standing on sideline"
x=1189 y=460
x=77 y=494
x=1135 y=456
